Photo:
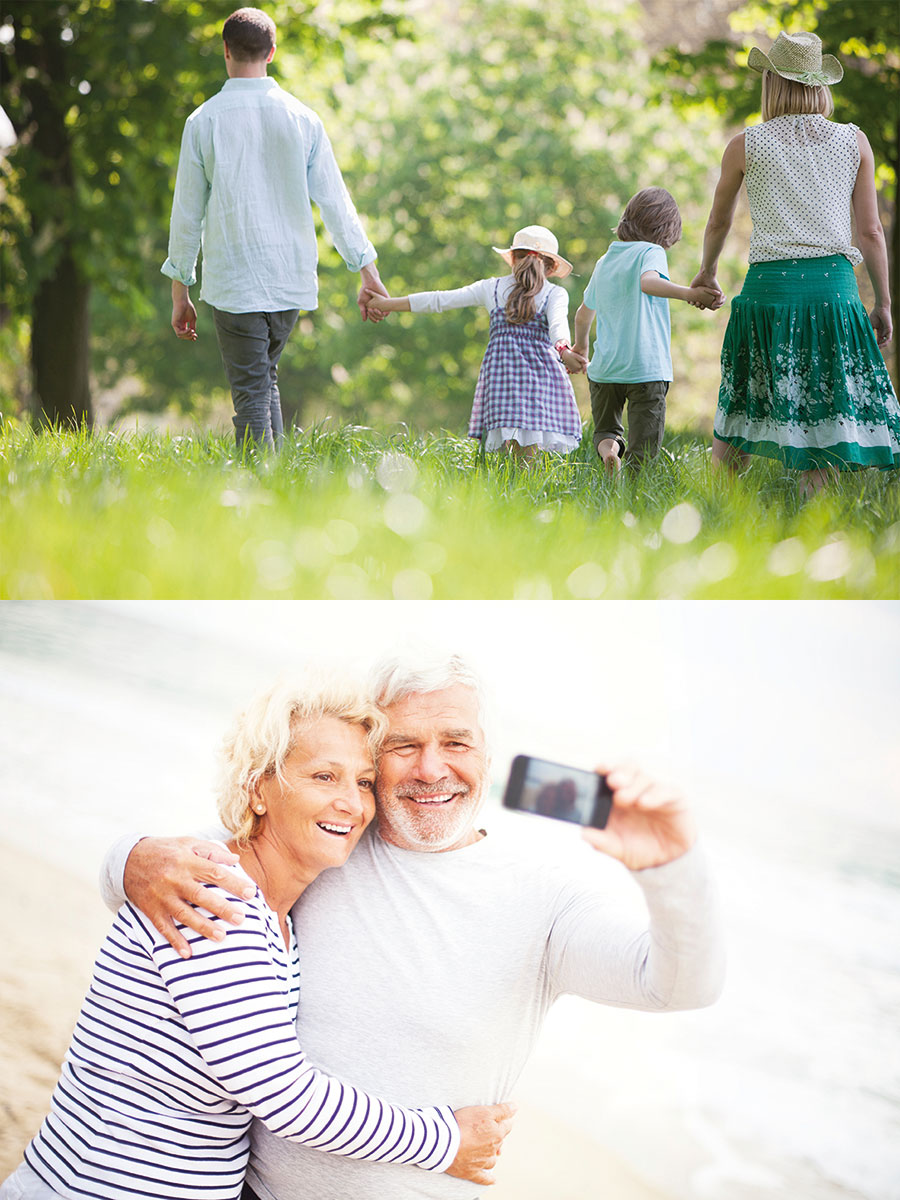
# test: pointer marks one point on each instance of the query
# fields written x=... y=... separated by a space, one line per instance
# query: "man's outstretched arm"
x=677 y=960
x=165 y=877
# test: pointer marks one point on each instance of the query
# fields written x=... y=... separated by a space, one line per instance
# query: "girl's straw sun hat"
x=798 y=56
x=541 y=241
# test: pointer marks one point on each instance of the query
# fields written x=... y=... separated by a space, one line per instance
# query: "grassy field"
x=351 y=513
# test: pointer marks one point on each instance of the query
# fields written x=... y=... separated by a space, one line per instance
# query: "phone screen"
x=550 y=789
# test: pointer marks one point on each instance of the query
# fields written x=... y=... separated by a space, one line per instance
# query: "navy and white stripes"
x=171 y=1058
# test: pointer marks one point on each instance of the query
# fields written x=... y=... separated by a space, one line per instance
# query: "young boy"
x=629 y=291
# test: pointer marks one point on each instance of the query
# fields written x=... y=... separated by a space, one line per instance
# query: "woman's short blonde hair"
x=265 y=733
x=786 y=97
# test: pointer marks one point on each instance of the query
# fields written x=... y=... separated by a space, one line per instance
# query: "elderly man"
x=252 y=158
x=431 y=959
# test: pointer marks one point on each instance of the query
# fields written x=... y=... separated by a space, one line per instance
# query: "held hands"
x=371 y=286
x=164 y=877
x=376 y=303
x=574 y=362
x=482 y=1130
x=708 y=292
x=649 y=825
x=705 y=297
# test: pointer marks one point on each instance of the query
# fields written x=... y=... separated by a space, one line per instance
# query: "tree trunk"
x=60 y=346
x=60 y=319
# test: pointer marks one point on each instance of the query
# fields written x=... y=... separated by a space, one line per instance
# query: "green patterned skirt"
x=803 y=379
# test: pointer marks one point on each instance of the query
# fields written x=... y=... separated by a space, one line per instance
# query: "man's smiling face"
x=432 y=771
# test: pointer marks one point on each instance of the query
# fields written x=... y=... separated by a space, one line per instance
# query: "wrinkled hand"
x=184 y=320
x=880 y=316
x=164 y=877
x=482 y=1129
x=650 y=823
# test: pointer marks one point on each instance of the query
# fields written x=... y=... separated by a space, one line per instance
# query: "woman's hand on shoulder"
x=482 y=1128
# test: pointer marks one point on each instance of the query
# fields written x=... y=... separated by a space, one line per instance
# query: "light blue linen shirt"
x=252 y=159
x=634 y=336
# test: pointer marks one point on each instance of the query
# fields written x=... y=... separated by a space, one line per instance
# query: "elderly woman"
x=803 y=380
x=172 y=1058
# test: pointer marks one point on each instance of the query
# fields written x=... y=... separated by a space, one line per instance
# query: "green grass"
x=352 y=513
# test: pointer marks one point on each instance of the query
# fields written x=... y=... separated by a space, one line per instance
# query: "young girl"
x=629 y=291
x=523 y=401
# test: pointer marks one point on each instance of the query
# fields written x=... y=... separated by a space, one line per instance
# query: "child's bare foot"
x=816 y=480
x=608 y=453
x=524 y=456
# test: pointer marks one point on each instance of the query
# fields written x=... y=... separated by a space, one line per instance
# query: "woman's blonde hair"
x=786 y=97
x=529 y=270
x=651 y=215
x=265 y=733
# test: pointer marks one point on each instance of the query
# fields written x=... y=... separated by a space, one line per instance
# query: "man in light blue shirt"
x=252 y=160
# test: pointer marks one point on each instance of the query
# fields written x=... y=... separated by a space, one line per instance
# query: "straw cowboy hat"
x=542 y=241
x=798 y=56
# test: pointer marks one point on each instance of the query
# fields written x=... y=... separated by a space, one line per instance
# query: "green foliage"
x=353 y=514
x=451 y=132
x=498 y=116
x=119 y=77
x=864 y=34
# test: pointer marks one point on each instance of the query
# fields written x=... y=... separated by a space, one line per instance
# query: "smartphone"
x=552 y=790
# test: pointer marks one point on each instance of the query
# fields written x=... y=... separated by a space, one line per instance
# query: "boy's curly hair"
x=651 y=216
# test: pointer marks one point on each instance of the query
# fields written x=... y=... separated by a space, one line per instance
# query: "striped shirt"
x=171 y=1059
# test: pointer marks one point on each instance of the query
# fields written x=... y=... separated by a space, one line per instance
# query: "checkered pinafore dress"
x=522 y=384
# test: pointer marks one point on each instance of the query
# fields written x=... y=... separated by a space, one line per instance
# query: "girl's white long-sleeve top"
x=172 y=1058
x=482 y=292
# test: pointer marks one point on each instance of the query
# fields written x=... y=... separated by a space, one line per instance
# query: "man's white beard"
x=424 y=828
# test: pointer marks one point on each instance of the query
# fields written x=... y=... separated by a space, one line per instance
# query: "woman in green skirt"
x=803 y=379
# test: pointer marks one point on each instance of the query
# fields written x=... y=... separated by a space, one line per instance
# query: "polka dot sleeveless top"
x=800 y=174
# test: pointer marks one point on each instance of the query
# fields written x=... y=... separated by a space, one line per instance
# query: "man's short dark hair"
x=249 y=35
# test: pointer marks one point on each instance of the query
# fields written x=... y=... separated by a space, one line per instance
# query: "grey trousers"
x=251 y=345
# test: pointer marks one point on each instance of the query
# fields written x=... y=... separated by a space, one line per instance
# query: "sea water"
x=788 y=1087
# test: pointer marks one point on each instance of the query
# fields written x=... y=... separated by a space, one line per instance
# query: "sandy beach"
x=54 y=923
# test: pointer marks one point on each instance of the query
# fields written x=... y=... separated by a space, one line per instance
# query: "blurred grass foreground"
x=354 y=513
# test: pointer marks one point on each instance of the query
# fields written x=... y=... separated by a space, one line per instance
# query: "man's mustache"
x=418 y=791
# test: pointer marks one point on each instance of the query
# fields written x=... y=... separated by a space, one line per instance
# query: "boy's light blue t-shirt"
x=633 y=329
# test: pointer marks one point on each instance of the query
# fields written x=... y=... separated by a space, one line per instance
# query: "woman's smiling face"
x=317 y=812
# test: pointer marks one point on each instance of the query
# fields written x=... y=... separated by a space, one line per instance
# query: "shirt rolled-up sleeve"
x=188 y=211
x=328 y=190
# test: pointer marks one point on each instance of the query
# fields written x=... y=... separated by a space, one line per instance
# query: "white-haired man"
x=432 y=957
